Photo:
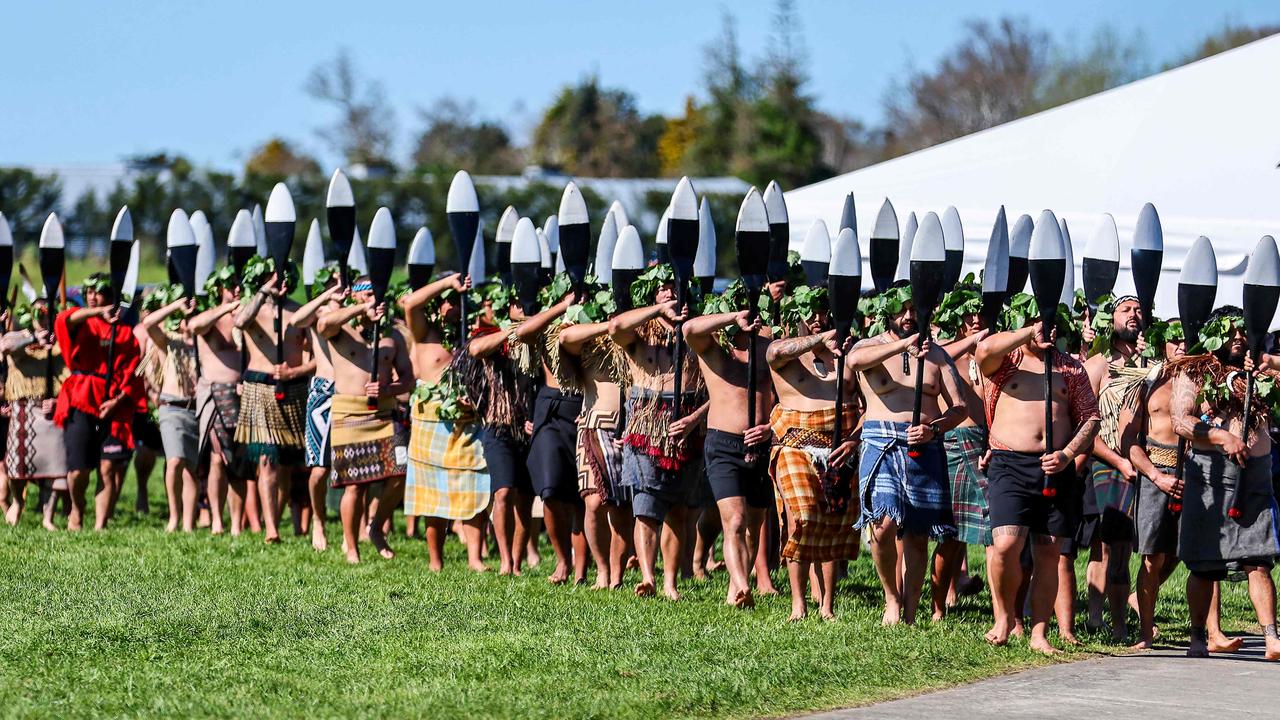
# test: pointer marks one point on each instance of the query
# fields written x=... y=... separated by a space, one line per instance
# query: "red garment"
x=1082 y=402
x=85 y=348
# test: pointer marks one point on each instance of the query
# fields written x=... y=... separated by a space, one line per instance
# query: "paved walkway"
x=1160 y=684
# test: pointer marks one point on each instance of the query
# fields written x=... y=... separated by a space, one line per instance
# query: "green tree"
x=452 y=138
x=26 y=199
x=278 y=158
x=596 y=131
x=365 y=128
x=1230 y=36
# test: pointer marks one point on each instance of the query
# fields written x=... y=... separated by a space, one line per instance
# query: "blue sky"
x=89 y=82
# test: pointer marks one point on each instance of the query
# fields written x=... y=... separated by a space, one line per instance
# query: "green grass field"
x=134 y=622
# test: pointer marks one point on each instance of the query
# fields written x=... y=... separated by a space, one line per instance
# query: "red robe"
x=85 y=348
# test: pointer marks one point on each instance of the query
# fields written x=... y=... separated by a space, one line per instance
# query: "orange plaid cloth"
x=802 y=442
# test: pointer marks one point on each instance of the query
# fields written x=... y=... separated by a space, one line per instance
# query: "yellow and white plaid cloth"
x=447 y=475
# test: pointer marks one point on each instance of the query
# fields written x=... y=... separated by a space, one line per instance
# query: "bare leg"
x=473 y=532
x=534 y=534
x=1219 y=642
x=915 y=560
x=704 y=552
x=673 y=545
x=595 y=522
x=1005 y=575
x=78 y=484
x=827 y=608
x=621 y=543
x=380 y=517
x=646 y=533
x=558 y=517
x=51 y=506
x=252 y=510
x=144 y=462
x=436 y=532
x=946 y=566
x=1118 y=589
x=764 y=544
x=503 y=528
x=578 y=543
x=269 y=499
x=1199 y=598
x=14 y=492
x=353 y=501
x=737 y=550
x=102 y=498
x=1150 y=575
x=1096 y=580
x=1065 y=604
x=524 y=536
x=318 y=485
x=217 y=487
x=798 y=575
x=884 y=553
x=237 y=499
x=190 y=496
x=1044 y=589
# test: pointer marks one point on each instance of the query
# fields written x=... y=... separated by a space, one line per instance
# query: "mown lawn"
x=137 y=623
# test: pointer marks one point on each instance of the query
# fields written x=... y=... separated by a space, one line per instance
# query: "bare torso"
x=809 y=382
x=890 y=387
x=260 y=339
x=351 y=356
x=725 y=374
x=1018 y=421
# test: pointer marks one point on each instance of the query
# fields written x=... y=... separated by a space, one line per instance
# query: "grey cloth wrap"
x=1209 y=541
x=1155 y=525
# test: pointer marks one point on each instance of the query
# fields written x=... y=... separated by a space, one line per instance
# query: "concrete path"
x=1161 y=684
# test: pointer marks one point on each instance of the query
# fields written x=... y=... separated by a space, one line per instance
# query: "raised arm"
x=414 y=302
x=781 y=352
x=530 y=329
x=82 y=314
x=622 y=328
x=249 y=312
x=486 y=345
x=205 y=321
x=992 y=351
x=331 y=322
x=573 y=338
x=151 y=323
x=306 y=316
x=873 y=351
x=700 y=332
x=963 y=346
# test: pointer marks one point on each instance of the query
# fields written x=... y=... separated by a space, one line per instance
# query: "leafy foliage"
x=964 y=300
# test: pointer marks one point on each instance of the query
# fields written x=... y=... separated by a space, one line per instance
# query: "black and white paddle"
x=462 y=208
x=995 y=272
x=382 y=259
x=928 y=269
x=953 y=236
x=751 y=242
x=682 y=240
x=1197 y=292
x=704 y=262
x=279 y=222
x=1047 y=267
x=883 y=247
x=1261 y=295
x=1019 y=249
x=340 y=211
x=1101 y=264
x=779 y=231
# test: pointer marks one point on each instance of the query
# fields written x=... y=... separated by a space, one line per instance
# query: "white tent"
x=1201 y=142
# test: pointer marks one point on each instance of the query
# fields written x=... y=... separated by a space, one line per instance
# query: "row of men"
x=573 y=405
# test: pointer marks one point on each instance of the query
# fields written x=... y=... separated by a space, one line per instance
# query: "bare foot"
x=504 y=568
x=1273 y=649
x=1018 y=630
x=699 y=574
x=1144 y=644
x=1042 y=645
x=998 y=635
x=560 y=576
x=353 y=555
x=171 y=526
x=892 y=615
x=766 y=590
x=216 y=531
x=1197 y=648
x=477 y=566
x=534 y=560
x=318 y=540
x=827 y=615
x=743 y=600
x=1069 y=639
x=633 y=563
x=670 y=591
x=435 y=565
x=1119 y=636
x=645 y=589
x=380 y=542
x=601 y=583
x=275 y=540
x=939 y=615
x=798 y=614
x=1219 y=643
x=11 y=514
x=715 y=566
x=48 y=525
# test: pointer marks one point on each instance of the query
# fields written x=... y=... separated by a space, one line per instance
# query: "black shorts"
x=553 y=460
x=505 y=457
x=86 y=447
x=1015 y=487
x=146 y=433
x=729 y=473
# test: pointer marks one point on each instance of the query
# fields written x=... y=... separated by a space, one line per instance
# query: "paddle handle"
x=1233 y=493
x=1048 y=490
x=279 y=347
x=462 y=318
x=751 y=379
x=1175 y=504
x=48 y=361
x=371 y=402
x=913 y=451
x=678 y=381
x=837 y=428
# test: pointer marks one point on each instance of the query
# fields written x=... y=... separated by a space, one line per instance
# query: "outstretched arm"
x=573 y=338
x=781 y=352
x=951 y=394
x=306 y=316
x=963 y=346
x=151 y=323
x=530 y=329
x=992 y=350
x=249 y=312
x=331 y=322
x=700 y=332
x=623 y=327
x=414 y=302
x=204 y=322
x=872 y=352
x=486 y=345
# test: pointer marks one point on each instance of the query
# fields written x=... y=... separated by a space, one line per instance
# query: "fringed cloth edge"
x=1201 y=368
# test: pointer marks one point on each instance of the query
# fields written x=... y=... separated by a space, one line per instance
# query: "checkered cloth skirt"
x=446 y=477
x=965 y=446
x=797 y=463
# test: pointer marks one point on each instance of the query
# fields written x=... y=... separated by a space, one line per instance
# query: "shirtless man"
x=174 y=349
x=903 y=482
x=317 y=455
x=218 y=400
x=656 y=458
x=1111 y=481
x=1211 y=542
x=814 y=481
x=1020 y=471
x=589 y=357
x=271 y=427
x=446 y=460
x=965 y=445
x=736 y=455
x=367 y=444
x=1153 y=449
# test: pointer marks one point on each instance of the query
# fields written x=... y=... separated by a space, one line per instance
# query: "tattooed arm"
x=249 y=312
x=872 y=352
x=1184 y=413
x=781 y=352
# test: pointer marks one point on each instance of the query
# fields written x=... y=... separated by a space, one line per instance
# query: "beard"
x=1230 y=357
x=1127 y=335
x=903 y=329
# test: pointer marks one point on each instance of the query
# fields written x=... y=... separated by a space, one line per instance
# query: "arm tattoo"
x=1183 y=410
x=787 y=350
x=1083 y=437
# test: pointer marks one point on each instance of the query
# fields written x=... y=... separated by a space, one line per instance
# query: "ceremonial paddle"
x=1261 y=294
x=382 y=258
x=1047 y=266
x=704 y=262
x=682 y=241
x=660 y=249
x=909 y=229
x=502 y=241
x=928 y=266
x=995 y=272
x=52 y=263
x=526 y=264
x=627 y=264
x=240 y=243
x=815 y=255
x=575 y=236
x=340 y=211
x=1101 y=264
x=206 y=251
x=180 y=240
x=883 y=247
x=422 y=258
x=313 y=258
x=751 y=241
x=278 y=225
x=1019 y=247
x=1197 y=292
x=953 y=237
x=602 y=268
x=463 y=211
x=128 y=291
x=1146 y=257
x=775 y=205
x=844 y=284
x=6 y=261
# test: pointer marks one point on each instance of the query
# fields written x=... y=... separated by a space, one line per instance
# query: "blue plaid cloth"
x=914 y=492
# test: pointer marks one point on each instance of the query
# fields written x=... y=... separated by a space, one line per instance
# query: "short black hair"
x=1225 y=311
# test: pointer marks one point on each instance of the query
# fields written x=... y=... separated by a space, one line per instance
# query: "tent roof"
x=1198 y=141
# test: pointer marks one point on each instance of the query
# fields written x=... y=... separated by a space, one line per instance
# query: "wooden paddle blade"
x=463 y=211
x=927 y=267
x=682 y=230
x=779 y=231
x=1261 y=293
x=575 y=234
x=628 y=264
x=953 y=236
x=844 y=282
x=1197 y=289
x=884 y=247
x=751 y=240
x=526 y=263
x=1146 y=258
x=180 y=241
x=909 y=229
x=849 y=215
x=381 y=252
x=278 y=223
x=815 y=254
x=995 y=271
x=1101 y=264
x=1046 y=264
x=704 y=262
x=1019 y=247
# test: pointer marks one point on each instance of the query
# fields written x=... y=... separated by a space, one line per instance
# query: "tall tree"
x=678 y=139
x=724 y=126
x=278 y=158
x=365 y=126
x=26 y=198
x=1230 y=36
x=1109 y=60
x=597 y=131
x=453 y=138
